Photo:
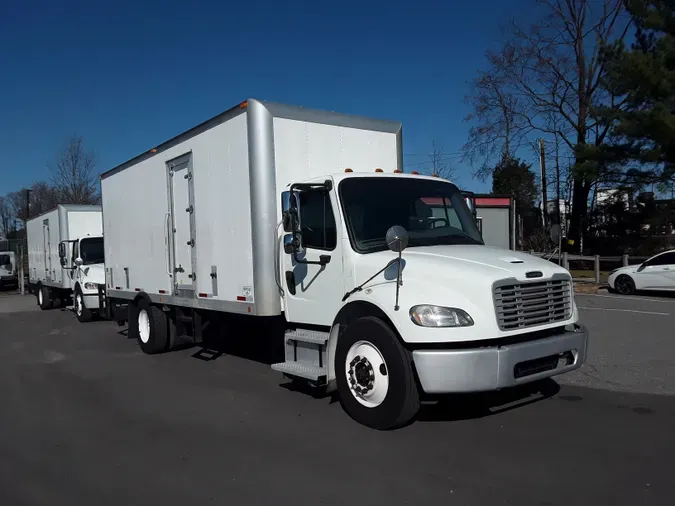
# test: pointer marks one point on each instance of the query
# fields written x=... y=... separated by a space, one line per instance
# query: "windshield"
x=91 y=251
x=433 y=212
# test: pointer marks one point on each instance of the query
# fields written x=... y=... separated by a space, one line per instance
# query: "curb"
x=588 y=287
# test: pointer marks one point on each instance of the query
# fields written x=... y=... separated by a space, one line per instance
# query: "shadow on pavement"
x=471 y=406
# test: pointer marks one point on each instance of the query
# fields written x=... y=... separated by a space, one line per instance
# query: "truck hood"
x=459 y=276
x=467 y=262
x=94 y=273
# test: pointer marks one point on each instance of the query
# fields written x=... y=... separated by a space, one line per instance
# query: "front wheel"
x=374 y=375
x=83 y=314
x=625 y=285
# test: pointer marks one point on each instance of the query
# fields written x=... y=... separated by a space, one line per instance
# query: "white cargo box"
x=192 y=221
x=45 y=232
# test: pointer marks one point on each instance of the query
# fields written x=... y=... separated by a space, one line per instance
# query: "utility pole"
x=544 y=199
x=27 y=206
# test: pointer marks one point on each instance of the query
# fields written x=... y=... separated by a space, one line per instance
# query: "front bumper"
x=484 y=369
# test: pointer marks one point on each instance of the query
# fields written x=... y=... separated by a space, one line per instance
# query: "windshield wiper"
x=360 y=287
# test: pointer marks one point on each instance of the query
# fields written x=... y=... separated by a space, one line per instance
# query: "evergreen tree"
x=513 y=177
x=643 y=80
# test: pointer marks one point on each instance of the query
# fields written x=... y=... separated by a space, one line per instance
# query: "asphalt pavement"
x=88 y=419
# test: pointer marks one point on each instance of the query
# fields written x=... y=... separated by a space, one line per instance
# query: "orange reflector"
x=378 y=170
x=398 y=171
x=415 y=173
x=243 y=105
x=349 y=170
x=249 y=309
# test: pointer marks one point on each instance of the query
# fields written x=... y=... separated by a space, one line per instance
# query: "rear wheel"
x=44 y=297
x=149 y=325
x=374 y=376
x=83 y=314
x=624 y=285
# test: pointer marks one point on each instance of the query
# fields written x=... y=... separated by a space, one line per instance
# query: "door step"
x=305 y=371
x=307 y=336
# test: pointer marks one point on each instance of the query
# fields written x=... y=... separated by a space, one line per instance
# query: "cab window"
x=317 y=222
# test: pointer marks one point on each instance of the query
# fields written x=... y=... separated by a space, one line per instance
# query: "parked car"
x=656 y=273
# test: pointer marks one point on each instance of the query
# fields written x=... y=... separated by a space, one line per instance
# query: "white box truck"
x=65 y=258
x=304 y=218
x=8 y=269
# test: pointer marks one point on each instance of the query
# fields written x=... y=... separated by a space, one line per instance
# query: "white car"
x=657 y=273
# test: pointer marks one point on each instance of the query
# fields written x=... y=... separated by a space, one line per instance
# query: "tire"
x=149 y=325
x=44 y=298
x=624 y=285
x=83 y=314
x=393 y=398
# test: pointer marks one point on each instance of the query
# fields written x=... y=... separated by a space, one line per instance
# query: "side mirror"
x=78 y=261
x=470 y=201
x=62 y=251
x=289 y=210
x=554 y=233
x=397 y=238
x=642 y=267
x=289 y=246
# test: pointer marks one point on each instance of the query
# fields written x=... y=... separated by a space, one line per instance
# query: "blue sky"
x=128 y=75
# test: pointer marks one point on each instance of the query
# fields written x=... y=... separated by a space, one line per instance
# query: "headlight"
x=425 y=315
x=91 y=286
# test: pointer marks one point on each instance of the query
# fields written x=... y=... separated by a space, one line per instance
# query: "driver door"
x=313 y=292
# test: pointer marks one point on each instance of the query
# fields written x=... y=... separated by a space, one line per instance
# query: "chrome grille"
x=522 y=305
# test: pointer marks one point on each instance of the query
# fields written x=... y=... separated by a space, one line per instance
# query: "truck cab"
x=84 y=259
x=394 y=267
x=8 y=270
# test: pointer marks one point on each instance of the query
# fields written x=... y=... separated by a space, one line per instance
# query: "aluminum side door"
x=182 y=227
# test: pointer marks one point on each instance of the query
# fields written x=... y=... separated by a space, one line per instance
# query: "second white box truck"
x=304 y=217
x=65 y=257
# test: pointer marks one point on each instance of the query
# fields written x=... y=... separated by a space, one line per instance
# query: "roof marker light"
x=349 y=170
x=397 y=171
x=378 y=170
x=415 y=173
x=243 y=105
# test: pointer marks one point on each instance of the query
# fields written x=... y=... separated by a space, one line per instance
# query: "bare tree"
x=438 y=162
x=552 y=69
x=73 y=174
x=5 y=216
x=43 y=197
x=18 y=205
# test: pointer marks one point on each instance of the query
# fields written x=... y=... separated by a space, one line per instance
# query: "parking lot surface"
x=88 y=419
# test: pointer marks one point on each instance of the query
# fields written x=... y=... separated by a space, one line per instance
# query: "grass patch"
x=587 y=273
